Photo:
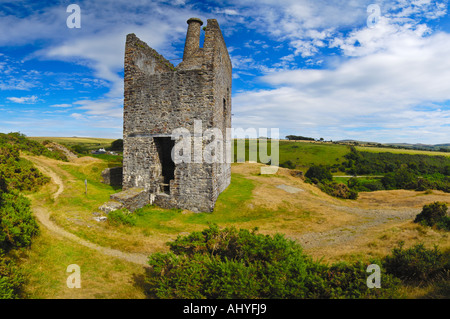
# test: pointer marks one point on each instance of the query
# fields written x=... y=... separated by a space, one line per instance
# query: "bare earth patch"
x=339 y=227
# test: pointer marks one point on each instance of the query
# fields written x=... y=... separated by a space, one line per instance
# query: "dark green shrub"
x=319 y=173
x=338 y=190
x=342 y=191
x=121 y=217
x=230 y=263
x=434 y=214
x=349 y=280
x=117 y=145
x=9 y=154
x=24 y=144
x=80 y=149
x=373 y=186
x=11 y=279
x=402 y=178
x=288 y=164
x=444 y=223
x=17 y=224
x=416 y=264
x=16 y=173
x=354 y=183
x=364 y=185
x=424 y=184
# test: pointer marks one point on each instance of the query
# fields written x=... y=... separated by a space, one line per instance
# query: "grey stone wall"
x=160 y=98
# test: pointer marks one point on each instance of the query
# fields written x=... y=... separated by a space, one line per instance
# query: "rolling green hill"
x=90 y=143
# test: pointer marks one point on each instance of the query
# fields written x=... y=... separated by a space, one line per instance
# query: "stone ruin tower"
x=160 y=98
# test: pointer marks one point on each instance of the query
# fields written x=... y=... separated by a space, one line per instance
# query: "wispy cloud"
x=388 y=82
x=395 y=71
x=61 y=105
x=24 y=100
x=108 y=107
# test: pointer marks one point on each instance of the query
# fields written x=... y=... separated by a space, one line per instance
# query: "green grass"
x=91 y=174
x=104 y=277
x=303 y=154
x=400 y=151
x=233 y=206
x=230 y=207
x=101 y=276
x=89 y=142
x=112 y=160
x=344 y=180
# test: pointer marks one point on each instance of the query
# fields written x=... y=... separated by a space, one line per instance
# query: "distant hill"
x=417 y=146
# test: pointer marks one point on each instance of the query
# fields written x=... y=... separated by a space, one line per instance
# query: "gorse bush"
x=17 y=228
x=319 y=173
x=402 y=178
x=322 y=177
x=24 y=144
x=20 y=175
x=11 y=278
x=288 y=164
x=17 y=173
x=121 y=217
x=434 y=214
x=17 y=224
x=230 y=263
x=416 y=264
x=338 y=190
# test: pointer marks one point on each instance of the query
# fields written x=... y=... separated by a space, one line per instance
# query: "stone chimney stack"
x=192 y=38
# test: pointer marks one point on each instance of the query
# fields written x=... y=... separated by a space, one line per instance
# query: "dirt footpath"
x=43 y=217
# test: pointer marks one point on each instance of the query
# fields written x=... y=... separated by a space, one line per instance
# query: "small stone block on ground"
x=110 y=206
x=132 y=198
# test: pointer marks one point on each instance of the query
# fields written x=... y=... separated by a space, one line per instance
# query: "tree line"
x=400 y=171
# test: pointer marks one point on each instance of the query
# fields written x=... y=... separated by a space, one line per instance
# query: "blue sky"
x=314 y=68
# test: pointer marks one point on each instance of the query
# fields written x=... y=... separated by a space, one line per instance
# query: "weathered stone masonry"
x=160 y=98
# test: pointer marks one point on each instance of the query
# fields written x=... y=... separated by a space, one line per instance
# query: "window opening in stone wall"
x=164 y=145
x=224 y=109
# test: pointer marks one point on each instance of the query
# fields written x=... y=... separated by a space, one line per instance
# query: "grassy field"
x=102 y=277
x=328 y=228
x=400 y=151
x=302 y=154
x=89 y=142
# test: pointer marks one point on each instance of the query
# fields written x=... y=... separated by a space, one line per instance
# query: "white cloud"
x=77 y=116
x=394 y=68
x=310 y=25
x=107 y=107
x=100 y=42
x=381 y=91
x=61 y=105
x=230 y=12
x=24 y=100
x=14 y=77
